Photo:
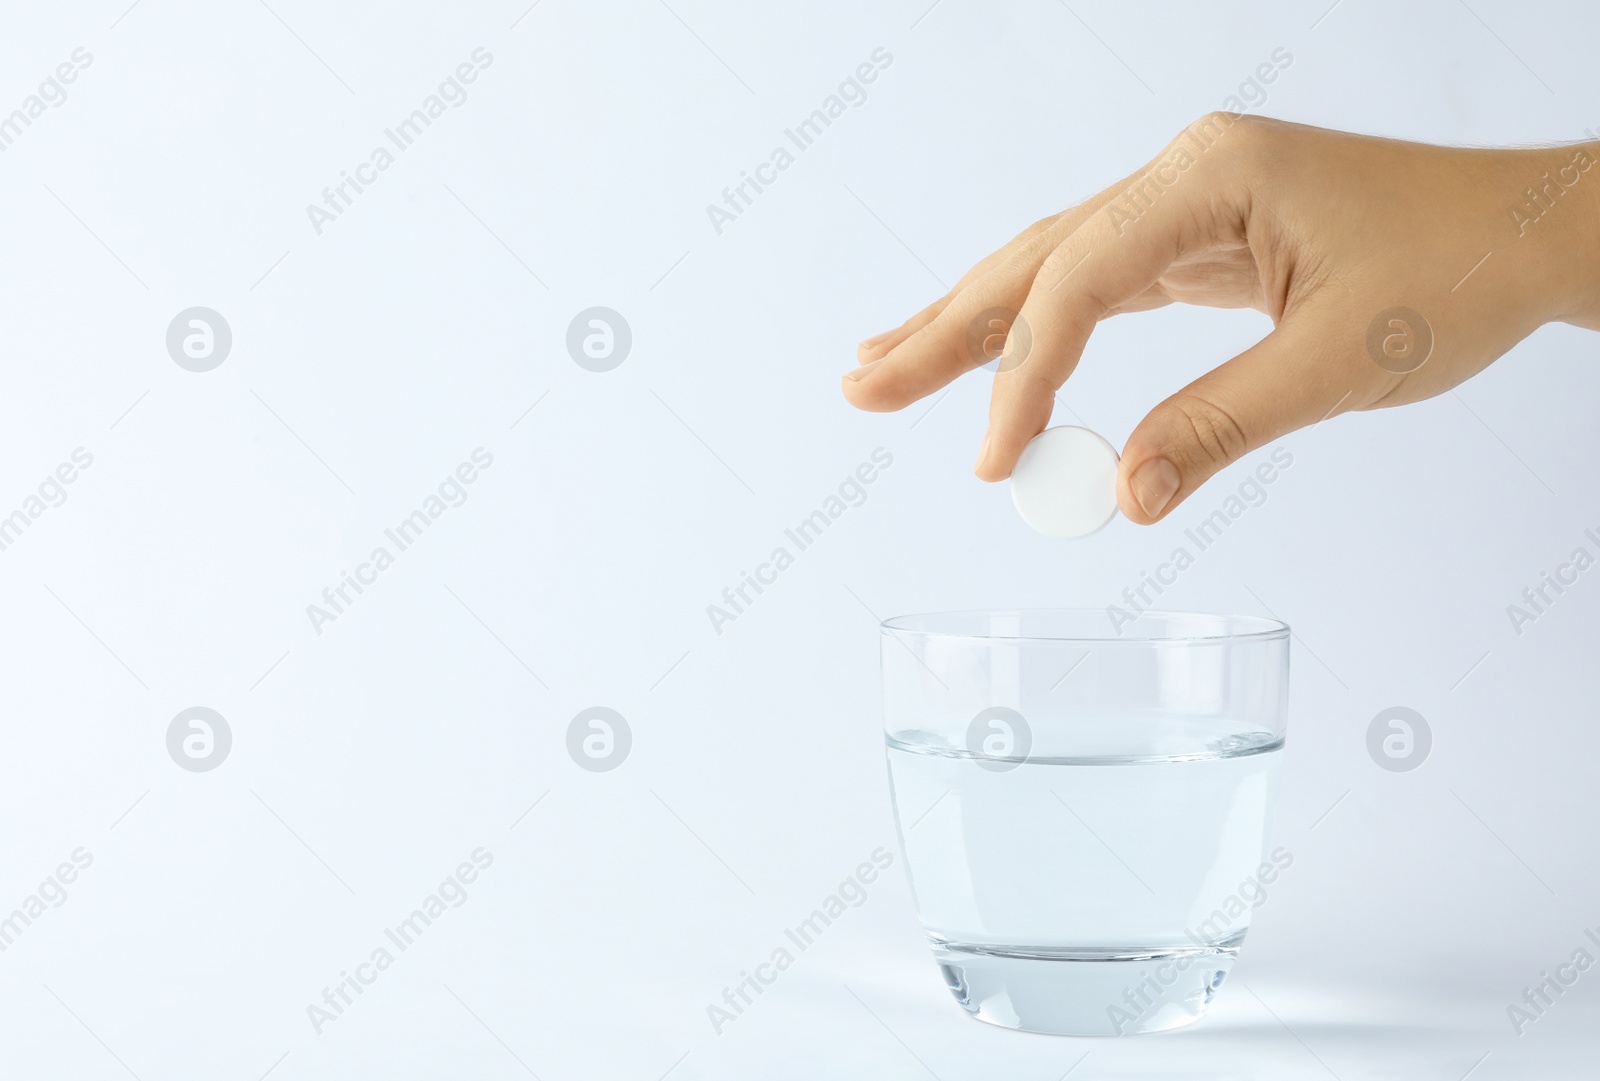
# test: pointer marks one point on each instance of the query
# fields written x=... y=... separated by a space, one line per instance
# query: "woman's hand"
x=1391 y=271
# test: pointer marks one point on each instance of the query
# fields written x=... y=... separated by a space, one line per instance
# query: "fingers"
x=1111 y=260
x=954 y=340
x=1113 y=247
x=944 y=347
x=876 y=346
x=1280 y=384
x=879 y=345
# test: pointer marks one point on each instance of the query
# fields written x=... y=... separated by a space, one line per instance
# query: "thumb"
x=1275 y=387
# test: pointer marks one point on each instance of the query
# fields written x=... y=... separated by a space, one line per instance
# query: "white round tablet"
x=1065 y=482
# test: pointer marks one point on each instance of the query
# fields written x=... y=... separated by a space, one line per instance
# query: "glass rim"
x=1228 y=628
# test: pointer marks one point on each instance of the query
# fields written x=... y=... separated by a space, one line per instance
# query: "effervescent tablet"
x=1065 y=482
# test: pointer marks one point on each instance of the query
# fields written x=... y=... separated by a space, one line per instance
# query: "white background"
x=369 y=361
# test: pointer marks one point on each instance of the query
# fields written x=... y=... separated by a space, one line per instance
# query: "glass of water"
x=1082 y=800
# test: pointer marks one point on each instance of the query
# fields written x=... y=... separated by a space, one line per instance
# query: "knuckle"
x=1061 y=264
x=1233 y=134
x=1055 y=264
x=928 y=314
x=950 y=325
x=1028 y=256
x=1218 y=119
x=1212 y=434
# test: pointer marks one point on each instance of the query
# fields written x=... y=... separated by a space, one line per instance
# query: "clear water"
x=1050 y=888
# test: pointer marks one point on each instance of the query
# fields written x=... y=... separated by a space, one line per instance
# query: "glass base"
x=1102 y=991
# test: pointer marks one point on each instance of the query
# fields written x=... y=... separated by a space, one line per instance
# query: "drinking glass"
x=1082 y=801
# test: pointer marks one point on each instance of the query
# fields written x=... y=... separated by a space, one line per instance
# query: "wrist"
x=1573 y=176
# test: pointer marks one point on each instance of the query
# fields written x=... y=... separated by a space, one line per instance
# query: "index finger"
x=942 y=346
x=1112 y=258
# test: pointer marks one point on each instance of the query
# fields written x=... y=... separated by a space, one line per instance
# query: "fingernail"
x=876 y=338
x=1154 y=484
x=983 y=452
x=863 y=370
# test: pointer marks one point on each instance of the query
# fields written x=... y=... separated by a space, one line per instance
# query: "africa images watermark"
x=1537 y=202
x=852 y=492
x=199 y=739
x=1399 y=739
x=52 y=893
x=52 y=94
x=1140 y=196
x=852 y=94
x=1218 y=929
x=452 y=492
x=1251 y=493
x=852 y=893
x=52 y=492
x=451 y=893
x=1537 y=599
x=452 y=94
x=1538 y=998
x=599 y=739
